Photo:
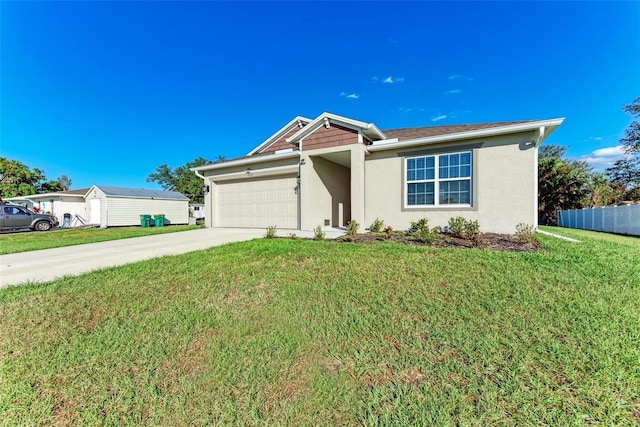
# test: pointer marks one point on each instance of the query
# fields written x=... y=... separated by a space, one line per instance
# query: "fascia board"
x=246 y=161
x=276 y=136
x=522 y=127
x=259 y=173
x=319 y=121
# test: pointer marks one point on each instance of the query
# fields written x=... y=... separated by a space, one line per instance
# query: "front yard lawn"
x=11 y=243
x=291 y=332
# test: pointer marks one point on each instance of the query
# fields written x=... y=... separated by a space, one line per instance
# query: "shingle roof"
x=141 y=193
x=79 y=191
x=422 y=132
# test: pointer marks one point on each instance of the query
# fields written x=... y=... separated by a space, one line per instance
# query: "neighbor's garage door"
x=258 y=203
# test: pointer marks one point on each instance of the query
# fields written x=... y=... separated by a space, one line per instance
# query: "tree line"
x=573 y=184
x=18 y=179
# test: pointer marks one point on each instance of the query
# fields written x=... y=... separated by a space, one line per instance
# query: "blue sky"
x=104 y=92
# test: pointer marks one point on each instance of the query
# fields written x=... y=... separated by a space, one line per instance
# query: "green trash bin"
x=159 y=220
x=145 y=221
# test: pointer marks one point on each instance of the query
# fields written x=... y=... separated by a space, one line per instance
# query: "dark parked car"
x=14 y=217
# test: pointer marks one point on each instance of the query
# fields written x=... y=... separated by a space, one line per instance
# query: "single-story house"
x=111 y=206
x=332 y=169
x=58 y=203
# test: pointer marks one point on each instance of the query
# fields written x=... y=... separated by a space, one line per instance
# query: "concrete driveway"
x=49 y=264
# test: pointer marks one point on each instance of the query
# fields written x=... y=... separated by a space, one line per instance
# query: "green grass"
x=284 y=332
x=33 y=241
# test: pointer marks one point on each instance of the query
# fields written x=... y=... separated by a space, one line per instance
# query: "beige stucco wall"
x=504 y=183
x=327 y=186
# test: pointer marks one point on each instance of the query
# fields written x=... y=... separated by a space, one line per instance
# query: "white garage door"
x=258 y=203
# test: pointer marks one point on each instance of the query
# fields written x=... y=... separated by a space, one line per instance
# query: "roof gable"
x=326 y=119
x=278 y=140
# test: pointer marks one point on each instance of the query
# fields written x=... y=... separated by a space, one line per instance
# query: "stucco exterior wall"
x=329 y=187
x=504 y=185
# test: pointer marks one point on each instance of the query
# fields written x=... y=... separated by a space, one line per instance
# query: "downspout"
x=539 y=136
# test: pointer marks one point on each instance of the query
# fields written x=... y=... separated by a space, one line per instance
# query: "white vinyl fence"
x=612 y=219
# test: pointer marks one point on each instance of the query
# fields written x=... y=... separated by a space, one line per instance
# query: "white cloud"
x=460 y=76
x=350 y=95
x=603 y=158
x=391 y=80
x=452 y=91
x=438 y=118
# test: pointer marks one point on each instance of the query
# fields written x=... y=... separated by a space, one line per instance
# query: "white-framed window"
x=438 y=180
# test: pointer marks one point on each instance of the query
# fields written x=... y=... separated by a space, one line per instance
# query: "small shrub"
x=526 y=233
x=464 y=229
x=271 y=232
x=318 y=234
x=377 y=225
x=456 y=226
x=352 y=228
x=472 y=230
x=420 y=231
x=388 y=231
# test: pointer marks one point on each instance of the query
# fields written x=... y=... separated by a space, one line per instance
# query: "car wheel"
x=42 y=226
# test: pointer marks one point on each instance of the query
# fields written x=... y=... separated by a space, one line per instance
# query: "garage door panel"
x=258 y=203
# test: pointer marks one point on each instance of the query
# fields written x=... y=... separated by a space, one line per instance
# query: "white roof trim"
x=369 y=129
x=280 y=133
x=548 y=125
x=247 y=161
x=43 y=196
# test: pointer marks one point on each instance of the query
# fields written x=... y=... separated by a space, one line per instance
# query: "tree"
x=181 y=179
x=65 y=182
x=50 y=187
x=631 y=140
x=626 y=171
x=563 y=183
x=17 y=179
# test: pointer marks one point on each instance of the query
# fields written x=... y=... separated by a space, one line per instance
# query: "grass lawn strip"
x=300 y=332
x=33 y=241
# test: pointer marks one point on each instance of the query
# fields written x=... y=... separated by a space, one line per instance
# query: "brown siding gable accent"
x=333 y=136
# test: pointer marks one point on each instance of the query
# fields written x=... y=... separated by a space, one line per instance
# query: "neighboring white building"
x=118 y=206
x=197 y=210
x=58 y=203
x=111 y=206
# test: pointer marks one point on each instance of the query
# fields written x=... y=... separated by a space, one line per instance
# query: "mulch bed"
x=493 y=241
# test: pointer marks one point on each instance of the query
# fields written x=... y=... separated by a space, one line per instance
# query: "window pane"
x=420 y=193
x=465 y=171
x=431 y=162
x=420 y=163
x=454 y=159
x=444 y=172
x=420 y=174
x=411 y=175
x=411 y=164
x=455 y=192
x=465 y=159
x=444 y=161
x=431 y=173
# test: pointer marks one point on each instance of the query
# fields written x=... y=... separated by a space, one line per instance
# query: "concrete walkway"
x=49 y=264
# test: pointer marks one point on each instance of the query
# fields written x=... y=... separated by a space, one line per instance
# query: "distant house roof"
x=79 y=191
x=141 y=193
